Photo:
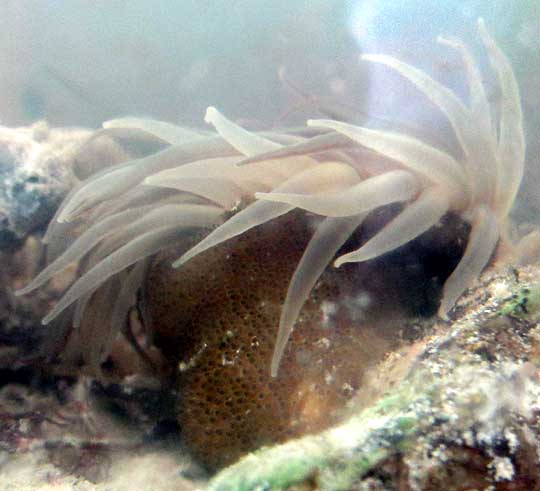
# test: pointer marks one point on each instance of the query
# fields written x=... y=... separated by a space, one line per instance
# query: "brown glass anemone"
x=222 y=191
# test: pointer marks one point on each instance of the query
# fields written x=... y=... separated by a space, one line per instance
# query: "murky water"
x=66 y=66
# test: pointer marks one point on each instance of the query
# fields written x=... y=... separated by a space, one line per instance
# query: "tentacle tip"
x=274 y=367
x=210 y=115
x=443 y=313
x=70 y=216
x=22 y=291
x=451 y=43
x=176 y=264
x=275 y=363
x=481 y=25
x=369 y=57
x=319 y=123
x=340 y=261
x=243 y=162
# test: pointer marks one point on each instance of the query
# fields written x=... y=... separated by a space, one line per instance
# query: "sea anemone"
x=235 y=180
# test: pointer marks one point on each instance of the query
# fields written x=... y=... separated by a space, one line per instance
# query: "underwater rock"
x=214 y=319
x=282 y=207
x=435 y=405
x=35 y=170
x=38 y=167
x=457 y=410
x=35 y=175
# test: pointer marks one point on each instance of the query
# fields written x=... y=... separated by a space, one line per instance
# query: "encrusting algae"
x=281 y=207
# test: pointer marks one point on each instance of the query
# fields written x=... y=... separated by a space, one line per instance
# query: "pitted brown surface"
x=217 y=319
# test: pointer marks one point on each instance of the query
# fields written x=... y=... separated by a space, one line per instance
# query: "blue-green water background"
x=79 y=62
x=82 y=61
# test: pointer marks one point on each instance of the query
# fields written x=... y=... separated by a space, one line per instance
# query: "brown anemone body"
x=216 y=319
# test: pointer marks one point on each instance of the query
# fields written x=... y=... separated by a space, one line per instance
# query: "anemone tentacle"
x=413 y=221
x=234 y=179
x=327 y=177
x=482 y=242
x=330 y=235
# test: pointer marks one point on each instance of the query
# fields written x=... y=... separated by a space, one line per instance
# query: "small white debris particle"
x=328 y=310
x=501 y=289
x=324 y=343
x=356 y=306
x=182 y=366
x=347 y=389
x=468 y=438
x=502 y=468
x=512 y=439
x=24 y=426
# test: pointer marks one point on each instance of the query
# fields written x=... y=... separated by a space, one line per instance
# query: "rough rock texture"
x=456 y=410
x=459 y=410
x=38 y=166
x=35 y=174
x=456 y=407
x=65 y=432
x=61 y=435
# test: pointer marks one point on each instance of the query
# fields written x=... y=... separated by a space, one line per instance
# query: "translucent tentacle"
x=476 y=152
x=511 y=151
x=317 y=144
x=126 y=297
x=262 y=174
x=251 y=144
x=80 y=308
x=173 y=134
x=96 y=333
x=330 y=235
x=325 y=176
x=414 y=220
x=390 y=187
x=127 y=255
x=82 y=245
x=226 y=194
x=140 y=195
x=164 y=217
x=51 y=229
x=477 y=96
x=481 y=244
x=61 y=237
x=111 y=182
x=412 y=153
x=244 y=141
x=120 y=142
x=252 y=216
x=141 y=239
